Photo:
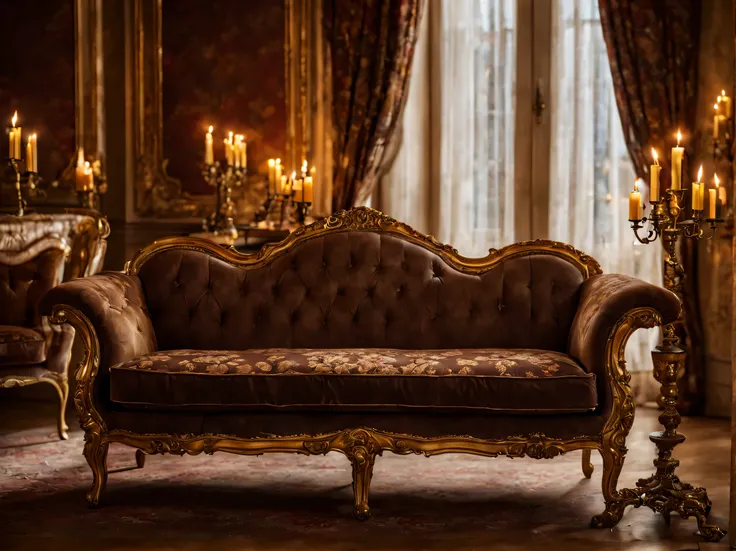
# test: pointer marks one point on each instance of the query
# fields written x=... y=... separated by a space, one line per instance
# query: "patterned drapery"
x=653 y=51
x=371 y=45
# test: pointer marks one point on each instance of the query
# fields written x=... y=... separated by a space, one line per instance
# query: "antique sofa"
x=37 y=252
x=359 y=335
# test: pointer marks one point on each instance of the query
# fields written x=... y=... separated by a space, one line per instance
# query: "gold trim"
x=367 y=219
x=60 y=383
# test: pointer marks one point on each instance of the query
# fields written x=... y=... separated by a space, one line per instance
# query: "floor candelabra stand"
x=664 y=492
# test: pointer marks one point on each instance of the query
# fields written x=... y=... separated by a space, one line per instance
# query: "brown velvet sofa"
x=359 y=335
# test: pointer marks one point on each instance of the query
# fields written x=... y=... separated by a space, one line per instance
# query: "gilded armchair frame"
x=361 y=445
x=58 y=380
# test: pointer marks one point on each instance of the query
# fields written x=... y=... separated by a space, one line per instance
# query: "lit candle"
x=272 y=176
x=15 y=137
x=29 y=154
x=635 y=203
x=712 y=203
x=727 y=103
x=236 y=151
x=676 y=171
x=228 y=152
x=90 y=180
x=296 y=185
x=284 y=185
x=209 y=155
x=307 y=193
x=79 y=176
x=34 y=143
x=698 y=189
x=721 y=191
x=243 y=151
x=715 y=122
x=654 y=171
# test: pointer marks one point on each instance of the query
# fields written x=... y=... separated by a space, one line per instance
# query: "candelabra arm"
x=652 y=233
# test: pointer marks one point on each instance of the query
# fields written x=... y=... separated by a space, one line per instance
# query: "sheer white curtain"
x=591 y=173
x=458 y=134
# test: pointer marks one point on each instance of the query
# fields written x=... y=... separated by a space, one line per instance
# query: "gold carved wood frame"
x=361 y=445
x=158 y=194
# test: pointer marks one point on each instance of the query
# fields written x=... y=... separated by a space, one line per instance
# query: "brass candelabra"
x=223 y=179
x=664 y=492
x=20 y=178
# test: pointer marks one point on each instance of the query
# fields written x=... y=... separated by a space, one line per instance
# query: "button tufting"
x=340 y=292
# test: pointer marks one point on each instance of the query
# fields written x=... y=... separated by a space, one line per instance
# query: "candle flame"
x=15 y=118
x=278 y=161
x=717 y=181
x=655 y=156
x=679 y=137
x=271 y=163
x=293 y=175
x=715 y=105
x=230 y=137
x=304 y=165
x=723 y=92
x=210 y=129
x=636 y=184
x=313 y=169
x=700 y=173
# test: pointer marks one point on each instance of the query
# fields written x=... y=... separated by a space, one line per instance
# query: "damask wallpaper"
x=223 y=65
x=37 y=78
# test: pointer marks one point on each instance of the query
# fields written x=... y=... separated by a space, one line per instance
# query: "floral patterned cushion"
x=482 y=378
x=484 y=362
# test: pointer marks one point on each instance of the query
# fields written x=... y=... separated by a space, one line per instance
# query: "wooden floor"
x=284 y=502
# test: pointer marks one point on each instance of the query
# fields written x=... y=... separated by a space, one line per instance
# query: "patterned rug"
x=288 y=502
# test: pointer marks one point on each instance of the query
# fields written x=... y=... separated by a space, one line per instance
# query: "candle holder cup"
x=223 y=178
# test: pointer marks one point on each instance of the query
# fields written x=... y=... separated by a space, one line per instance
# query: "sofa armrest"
x=114 y=305
x=605 y=301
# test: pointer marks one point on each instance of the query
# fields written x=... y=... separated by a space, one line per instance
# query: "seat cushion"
x=515 y=380
x=21 y=346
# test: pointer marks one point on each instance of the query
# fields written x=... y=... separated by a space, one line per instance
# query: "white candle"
x=209 y=154
x=228 y=152
x=635 y=203
x=654 y=171
x=676 y=171
x=712 y=204
x=34 y=143
x=29 y=154
x=284 y=185
x=727 y=103
x=696 y=196
x=721 y=191
x=79 y=176
x=243 y=152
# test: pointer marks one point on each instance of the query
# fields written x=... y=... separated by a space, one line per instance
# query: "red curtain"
x=653 y=52
x=371 y=45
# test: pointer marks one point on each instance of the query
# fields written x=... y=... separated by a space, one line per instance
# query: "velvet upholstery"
x=512 y=380
x=604 y=300
x=359 y=290
x=21 y=346
x=343 y=290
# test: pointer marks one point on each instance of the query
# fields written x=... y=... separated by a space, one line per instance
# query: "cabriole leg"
x=95 y=452
x=616 y=501
x=362 y=462
x=63 y=390
x=587 y=465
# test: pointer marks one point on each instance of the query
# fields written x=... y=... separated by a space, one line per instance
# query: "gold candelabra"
x=223 y=179
x=664 y=492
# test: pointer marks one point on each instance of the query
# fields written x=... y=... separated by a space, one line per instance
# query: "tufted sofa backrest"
x=358 y=289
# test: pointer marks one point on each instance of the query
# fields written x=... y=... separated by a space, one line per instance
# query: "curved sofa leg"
x=95 y=452
x=616 y=501
x=587 y=465
x=362 y=461
x=63 y=390
x=140 y=459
